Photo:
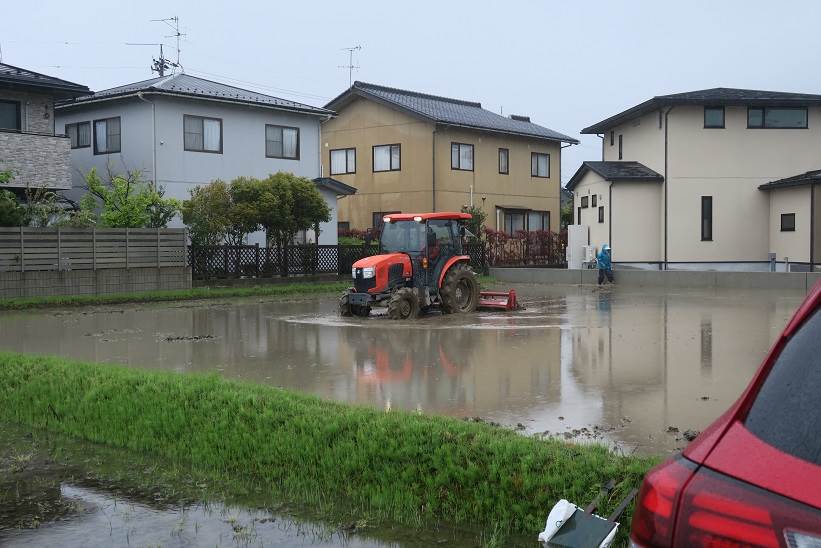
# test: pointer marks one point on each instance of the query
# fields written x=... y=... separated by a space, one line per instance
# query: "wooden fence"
x=25 y=249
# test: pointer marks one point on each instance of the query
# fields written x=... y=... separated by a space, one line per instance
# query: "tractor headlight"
x=368 y=272
x=353 y=272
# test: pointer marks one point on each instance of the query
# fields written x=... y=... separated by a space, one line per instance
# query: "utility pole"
x=161 y=65
x=350 y=66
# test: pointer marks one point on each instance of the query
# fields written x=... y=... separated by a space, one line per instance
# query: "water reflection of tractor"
x=421 y=265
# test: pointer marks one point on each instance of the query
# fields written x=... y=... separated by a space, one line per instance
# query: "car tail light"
x=656 y=506
x=719 y=511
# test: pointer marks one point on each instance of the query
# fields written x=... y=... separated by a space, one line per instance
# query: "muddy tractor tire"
x=460 y=290
x=346 y=309
x=403 y=305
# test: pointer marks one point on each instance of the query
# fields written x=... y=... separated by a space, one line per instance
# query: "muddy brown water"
x=618 y=365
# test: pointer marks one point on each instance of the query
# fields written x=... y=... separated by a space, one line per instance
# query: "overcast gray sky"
x=566 y=64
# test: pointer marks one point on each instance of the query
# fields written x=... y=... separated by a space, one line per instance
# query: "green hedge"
x=407 y=467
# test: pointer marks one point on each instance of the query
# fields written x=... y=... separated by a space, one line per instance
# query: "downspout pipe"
x=433 y=173
x=153 y=136
x=666 y=124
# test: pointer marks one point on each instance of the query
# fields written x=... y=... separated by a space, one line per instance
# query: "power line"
x=259 y=85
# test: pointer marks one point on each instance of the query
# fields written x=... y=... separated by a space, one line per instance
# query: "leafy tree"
x=477 y=224
x=220 y=213
x=11 y=212
x=289 y=204
x=129 y=202
x=567 y=214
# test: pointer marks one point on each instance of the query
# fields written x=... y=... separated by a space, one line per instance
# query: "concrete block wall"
x=44 y=283
x=36 y=160
x=803 y=281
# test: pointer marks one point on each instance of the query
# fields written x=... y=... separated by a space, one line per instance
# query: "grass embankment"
x=271 y=290
x=405 y=467
x=197 y=293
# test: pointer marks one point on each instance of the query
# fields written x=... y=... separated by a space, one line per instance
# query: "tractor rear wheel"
x=403 y=305
x=460 y=290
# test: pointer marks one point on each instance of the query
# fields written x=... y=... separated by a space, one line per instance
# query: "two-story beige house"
x=712 y=179
x=411 y=152
x=30 y=149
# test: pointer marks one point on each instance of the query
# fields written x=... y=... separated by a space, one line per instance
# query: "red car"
x=753 y=477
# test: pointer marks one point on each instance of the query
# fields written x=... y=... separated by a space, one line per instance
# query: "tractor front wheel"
x=346 y=309
x=460 y=290
x=403 y=304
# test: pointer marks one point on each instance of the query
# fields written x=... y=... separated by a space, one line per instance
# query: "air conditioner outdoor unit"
x=589 y=253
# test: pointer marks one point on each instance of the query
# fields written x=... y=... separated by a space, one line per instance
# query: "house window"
x=376 y=218
x=281 y=142
x=504 y=161
x=107 y=135
x=578 y=215
x=788 y=222
x=343 y=160
x=79 y=134
x=461 y=156
x=621 y=155
x=202 y=134
x=714 y=117
x=538 y=220
x=387 y=158
x=584 y=202
x=776 y=118
x=513 y=221
x=343 y=226
x=612 y=137
x=10 y=115
x=539 y=164
x=706 y=218
x=601 y=214
x=593 y=199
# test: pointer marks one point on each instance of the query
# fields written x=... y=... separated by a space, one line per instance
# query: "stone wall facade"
x=44 y=283
x=36 y=111
x=36 y=160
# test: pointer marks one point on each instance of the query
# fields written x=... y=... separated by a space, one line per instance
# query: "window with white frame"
x=387 y=158
x=539 y=164
x=281 y=142
x=202 y=134
x=343 y=160
x=107 y=135
x=461 y=156
x=79 y=134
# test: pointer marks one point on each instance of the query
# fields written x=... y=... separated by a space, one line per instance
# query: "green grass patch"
x=271 y=290
x=406 y=467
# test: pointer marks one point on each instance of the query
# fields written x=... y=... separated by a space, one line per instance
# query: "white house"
x=182 y=131
x=713 y=179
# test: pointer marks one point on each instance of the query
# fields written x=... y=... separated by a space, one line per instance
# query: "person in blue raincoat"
x=605 y=264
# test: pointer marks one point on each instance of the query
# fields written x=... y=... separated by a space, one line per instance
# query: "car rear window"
x=787 y=411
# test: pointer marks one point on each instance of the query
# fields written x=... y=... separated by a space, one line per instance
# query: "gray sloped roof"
x=614 y=172
x=713 y=96
x=808 y=178
x=333 y=185
x=11 y=75
x=185 y=85
x=448 y=111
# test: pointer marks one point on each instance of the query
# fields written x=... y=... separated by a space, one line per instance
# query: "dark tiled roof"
x=444 y=110
x=714 y=96
x=10 y=74
x=615 y=171
x=333 y=185
x=185 y=85
x=807 y=178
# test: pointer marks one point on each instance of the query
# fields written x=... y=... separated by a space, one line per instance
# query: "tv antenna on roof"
x=174 y=23
x=157 y=65
x=350 y=66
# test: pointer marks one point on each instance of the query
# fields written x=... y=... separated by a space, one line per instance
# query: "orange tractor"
x=421 y=265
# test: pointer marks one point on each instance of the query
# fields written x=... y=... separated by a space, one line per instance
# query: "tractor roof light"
x=418 y=218
x=386 y=219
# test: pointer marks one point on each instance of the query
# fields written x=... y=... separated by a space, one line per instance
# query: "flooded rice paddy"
x=632 y=368
x=626 y=366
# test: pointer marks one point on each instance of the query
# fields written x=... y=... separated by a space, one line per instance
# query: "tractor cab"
x=421 y=264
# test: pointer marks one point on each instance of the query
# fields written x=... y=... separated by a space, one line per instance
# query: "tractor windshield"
x=403 y=237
